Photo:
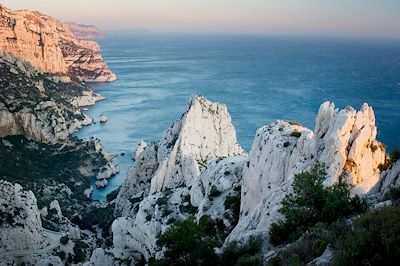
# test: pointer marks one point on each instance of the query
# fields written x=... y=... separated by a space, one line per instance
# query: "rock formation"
x=172 y=177
x=100 y=258
x=343 y=142
x=38 y=105
x=50 y=46
x=85 y=32
x=204 y=132
x=42 y=65
x=20 y=224
x=186 y=172
x=390 y=179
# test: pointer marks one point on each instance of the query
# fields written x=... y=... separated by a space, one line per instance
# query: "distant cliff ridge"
x=85 y=32
x=49 y=45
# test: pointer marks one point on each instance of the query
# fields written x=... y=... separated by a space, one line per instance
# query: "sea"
x=259 y=78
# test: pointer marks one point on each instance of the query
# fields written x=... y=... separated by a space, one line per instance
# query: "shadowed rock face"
x=50 y=46
x=40 y=106
x=20 y=224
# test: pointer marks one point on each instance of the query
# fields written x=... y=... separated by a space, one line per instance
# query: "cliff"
x=85 y=32
x=171 y=177
x=50 y=46
x=191 y=170
x=343 y=143
x=38 y=105
x=20 y=224
x=204 y=132
x=390 y=179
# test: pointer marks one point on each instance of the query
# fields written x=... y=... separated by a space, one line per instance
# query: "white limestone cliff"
x=220 y=181
x=343 y=142
x=204 y=132
x=390 y=179
x=20 y=223
x=100 y=258
x=173 y=176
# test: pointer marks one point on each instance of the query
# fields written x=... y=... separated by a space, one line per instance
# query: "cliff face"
x=20 y=224
x=85 y=32
x=205 y=132
x=49 y=45
x=390 y=179
x=172 y=177
x=193 y=171
x=40 y=106
x=343 y=142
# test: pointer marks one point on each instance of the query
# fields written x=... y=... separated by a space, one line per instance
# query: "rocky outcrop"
x=137 y=236
x=390 y=179
x=219 y=182
x=193 y=171
x=100 y=258
x=50 y=46
x=204 y=132
x=343 y=142
x=85 y=32
x=171 y=178
x=103 y=119
x=51 y=260
x=39 y=106
x=20 y=224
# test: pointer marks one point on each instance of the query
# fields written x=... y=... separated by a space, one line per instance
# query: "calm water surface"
x=261 y=79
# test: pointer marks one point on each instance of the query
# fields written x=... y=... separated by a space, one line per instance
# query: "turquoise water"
x=261 y=79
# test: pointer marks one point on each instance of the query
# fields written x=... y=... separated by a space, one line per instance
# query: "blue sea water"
x=260 y=78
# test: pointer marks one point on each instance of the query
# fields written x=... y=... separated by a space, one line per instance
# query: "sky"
x=371 y=18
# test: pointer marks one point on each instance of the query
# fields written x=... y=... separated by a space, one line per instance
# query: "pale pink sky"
x=326 y=17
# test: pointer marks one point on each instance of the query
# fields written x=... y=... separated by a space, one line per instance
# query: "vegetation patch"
x=49 y=171
x=112 y=195
x=214 y=192
x=232 y=202
x=311 y=203
x=192 y=243
x=296 y=134
x=374 y=239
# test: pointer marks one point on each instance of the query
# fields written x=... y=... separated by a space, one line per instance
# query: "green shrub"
x=296 y=134
x=187 y=244
x=214 y=192
x=395 y=155
x=232 y=202
x=64 y=240
x=189 y=208
x=311 y=203
x=162 y=200
x=112 y=195
x=61 y=254
x=248 y=253
x=374 y=240
x=96 y=217
x=286 y=144
x=80 y=251
x=310 y=246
